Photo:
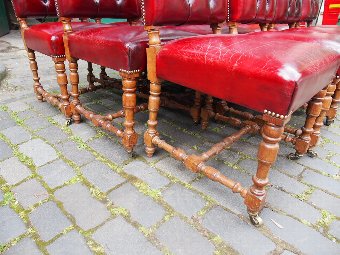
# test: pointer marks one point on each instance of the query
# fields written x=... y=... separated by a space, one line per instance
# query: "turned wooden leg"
x=326 y=103
x=154 y=104
x=267 y=153
x=129 y=79
x=331 y=114
x=59 y=64
x=74 y=80
x=90 y=76
x=205 y=112
x=34 y=69
x=196 y=109
x=103 y=74
x=313 y=111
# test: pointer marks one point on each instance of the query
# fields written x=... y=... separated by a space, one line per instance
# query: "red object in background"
x=331 y=12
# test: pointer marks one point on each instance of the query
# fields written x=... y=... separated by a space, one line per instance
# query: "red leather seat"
x=118 y=47
x=47 y=38
x=257 y=71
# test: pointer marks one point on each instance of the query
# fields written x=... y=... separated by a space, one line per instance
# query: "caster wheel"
x=256 y=220
x=294 y=156
x=68 y=122
x=328 y=122
x=312 y=154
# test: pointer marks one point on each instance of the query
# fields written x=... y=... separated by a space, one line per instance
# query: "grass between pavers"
x=142 y=187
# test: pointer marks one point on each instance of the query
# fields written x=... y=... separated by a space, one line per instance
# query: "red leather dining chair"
x=121 y=48
x=45 y=38
x=266 y=73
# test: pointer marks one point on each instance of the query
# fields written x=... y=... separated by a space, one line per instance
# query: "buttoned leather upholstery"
x=176 y=12
x=118 y=47
x=34 y=8
x=127 y=9
x=259 y=70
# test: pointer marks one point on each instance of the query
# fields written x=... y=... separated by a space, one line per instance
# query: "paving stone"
x=288 y=166
x=71 y=244
x=18 y=106
x=335 y=138
x=101 y=176
x=56 y=173
x=183 y=200
x=172 y=232
x=40 y=152
x=127 y=240
x=334 y=229
x=59 y=119
x=175 y=168
x=49 y=220
x=325 y=201
x=246 y=148
x=6 y=151
x=304 y=238
x=6 y=121
x=1 y=195
x=84 y=131
x=321 y=181
x=147 y=174
x=71 y=151
x=52 y=134
x=336 y=160
x=37 y=122
x=229 y=156
x=25 y=246
x=13 y=171
x=17 y=134
x=26 y=114
x=112 y=150
x=228 y=226
x=46 y=110
x=319 y=164
x=222 y=194
x=142 y=208
x=30 y=193
x=10 y=222
x=292 y=206
x=87 y=211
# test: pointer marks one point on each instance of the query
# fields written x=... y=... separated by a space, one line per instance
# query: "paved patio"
x=73 y=190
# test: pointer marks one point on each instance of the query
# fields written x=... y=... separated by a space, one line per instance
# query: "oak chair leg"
x=331 y=114
x=34 y=69
x=205 y=112
x=90 y=76
x=59 y=64
x=267 y=154
x=313 y=111
x=154 y=105
x=196 y=109
x=326 y=104
x=103 y=74
x=74 y=80
x=129 y=80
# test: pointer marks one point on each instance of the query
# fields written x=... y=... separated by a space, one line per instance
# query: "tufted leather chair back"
x=125 y=9
x=310 y=9
x=177 y=12
x=34 y=8
x=265 y=11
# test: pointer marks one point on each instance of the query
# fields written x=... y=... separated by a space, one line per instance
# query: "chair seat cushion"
x=254 y=70
x=47 y=38
x=122 y=47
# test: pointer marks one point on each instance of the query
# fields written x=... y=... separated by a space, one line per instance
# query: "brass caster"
x=256 y=220
x=294 y=156
x=312 y=154
x=68 y=122
x=328 y=122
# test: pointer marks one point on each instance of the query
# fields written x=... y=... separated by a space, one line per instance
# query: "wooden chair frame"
x=272 y=127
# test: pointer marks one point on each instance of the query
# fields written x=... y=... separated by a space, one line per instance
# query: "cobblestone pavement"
x=73 y=190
